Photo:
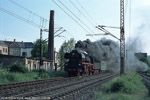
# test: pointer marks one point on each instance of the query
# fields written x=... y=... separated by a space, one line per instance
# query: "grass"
x=127 y=87
x=7 y=76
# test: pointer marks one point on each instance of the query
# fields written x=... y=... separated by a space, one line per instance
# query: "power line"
x=82 y=13
x=76 y=17
x=86 y=12
x=19 y=17
x=73 y=18
x=70 y=16
x=42 y=20
x=29 y=20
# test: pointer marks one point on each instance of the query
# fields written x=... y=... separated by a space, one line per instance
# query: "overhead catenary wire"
x=29 y=20
x=32 y=15
x=82 y=13
x=75 y=16
x=19 y=17
x=86 y=12
x=42 y=20
x=70 y=16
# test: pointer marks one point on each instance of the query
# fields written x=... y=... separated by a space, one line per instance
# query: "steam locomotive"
x=80 y=63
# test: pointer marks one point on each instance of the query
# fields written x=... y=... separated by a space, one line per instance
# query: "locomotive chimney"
x=51 y=38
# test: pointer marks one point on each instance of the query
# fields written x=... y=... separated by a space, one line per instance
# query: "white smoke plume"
x=136 y=45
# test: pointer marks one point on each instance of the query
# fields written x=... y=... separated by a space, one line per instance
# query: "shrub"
x=35 y=70
x=148 y=72
x=121 y=97
x=38 y=70
x=1 y=66
x=45 y=75
x=129 y=83
x=117 y=86
x=18 y=67
x=58 y=74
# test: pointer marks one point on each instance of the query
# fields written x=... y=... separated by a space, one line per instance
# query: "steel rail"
x=47 y=91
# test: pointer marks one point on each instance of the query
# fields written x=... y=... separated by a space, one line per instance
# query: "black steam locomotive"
x=80 y=63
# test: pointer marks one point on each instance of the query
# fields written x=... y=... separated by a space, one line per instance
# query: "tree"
x=18 y=67
x=145 y=60
x=36 y=49
x=67 y=46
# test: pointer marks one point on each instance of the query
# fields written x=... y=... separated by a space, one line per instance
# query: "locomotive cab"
x=80 y=63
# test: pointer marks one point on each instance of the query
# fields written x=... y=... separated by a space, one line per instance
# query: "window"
x=4 y=50
x=24 y=54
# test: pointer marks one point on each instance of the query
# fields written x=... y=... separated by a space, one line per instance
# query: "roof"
x=17 y=44
x=2 y=43
x=28 y=44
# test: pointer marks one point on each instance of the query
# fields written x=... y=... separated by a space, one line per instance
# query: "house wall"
x=14 y=51
x=31 y=64
x=35 y=64
x=27 y=50
x=4 y=50
x=6 y=60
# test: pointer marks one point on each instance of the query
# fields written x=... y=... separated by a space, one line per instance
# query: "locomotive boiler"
x=80 y=63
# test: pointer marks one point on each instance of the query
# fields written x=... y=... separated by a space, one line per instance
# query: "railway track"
x=145 y=76
x=22 y=87
x=52 y=88
x=79 y=86
x=146 y=80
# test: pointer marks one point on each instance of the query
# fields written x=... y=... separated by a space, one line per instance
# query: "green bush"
x=39 y=70
x=58 y=74
x=121 y=97
x=129 y=83
x=17 y=73
x=1 y=66
x=148 y=72
x=18 y=67
x=145 y=60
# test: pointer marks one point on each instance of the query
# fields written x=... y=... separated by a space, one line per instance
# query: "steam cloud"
x=106 y=50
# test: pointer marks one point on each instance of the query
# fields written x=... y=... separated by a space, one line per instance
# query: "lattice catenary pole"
x=122 y=38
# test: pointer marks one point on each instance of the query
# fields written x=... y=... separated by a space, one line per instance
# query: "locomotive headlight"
x=79 y=64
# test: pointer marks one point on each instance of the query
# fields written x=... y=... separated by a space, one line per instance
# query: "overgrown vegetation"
x=36 y=49
x=17 y=67
x=148 y=63
x=67 y=46
x=16 y=72
x=148 y=72
x=127 y=87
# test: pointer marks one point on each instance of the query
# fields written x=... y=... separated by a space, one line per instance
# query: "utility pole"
x=122 y=38
x=41 y=54
x=51 y=39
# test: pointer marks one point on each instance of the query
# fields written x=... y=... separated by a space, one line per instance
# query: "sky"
x=83 y=20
